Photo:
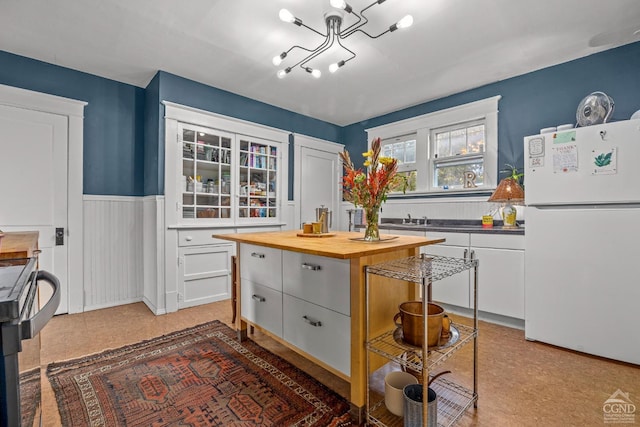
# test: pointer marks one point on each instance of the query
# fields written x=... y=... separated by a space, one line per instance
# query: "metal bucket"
x=412 y=394
x=410 y=316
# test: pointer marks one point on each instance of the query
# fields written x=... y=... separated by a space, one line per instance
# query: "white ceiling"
x=453 y=45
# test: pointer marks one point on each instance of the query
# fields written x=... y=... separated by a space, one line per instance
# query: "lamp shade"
x=508 y=191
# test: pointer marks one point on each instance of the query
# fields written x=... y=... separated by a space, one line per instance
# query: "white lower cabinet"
x=302 y=298
x=204 y=273
x=262 y=305
x=501 y=282
x=316 y=330
x=455 y=289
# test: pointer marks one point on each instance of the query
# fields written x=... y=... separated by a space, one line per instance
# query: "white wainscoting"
x=113 y=251
x=153 y=240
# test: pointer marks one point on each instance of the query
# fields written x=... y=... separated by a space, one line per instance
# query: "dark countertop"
x=449 y=226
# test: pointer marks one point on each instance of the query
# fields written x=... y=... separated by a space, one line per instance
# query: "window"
x=458 y=155
x=404 y=149
x=441 y=151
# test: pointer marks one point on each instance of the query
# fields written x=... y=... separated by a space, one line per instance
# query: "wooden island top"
x=339 y=246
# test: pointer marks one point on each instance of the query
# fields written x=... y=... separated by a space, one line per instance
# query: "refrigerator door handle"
x=32 y=326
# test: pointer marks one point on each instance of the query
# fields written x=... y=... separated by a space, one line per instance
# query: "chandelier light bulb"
x=405 y=22
x=340 y=4
x=277 y=60
x=335 y=66
x=286 y=16
x=283 y=73
x=316 y=73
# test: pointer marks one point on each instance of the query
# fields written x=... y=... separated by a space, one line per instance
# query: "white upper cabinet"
x=222 y=171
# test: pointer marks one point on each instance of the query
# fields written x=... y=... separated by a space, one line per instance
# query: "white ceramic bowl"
x=548 y=130
x=565 y=127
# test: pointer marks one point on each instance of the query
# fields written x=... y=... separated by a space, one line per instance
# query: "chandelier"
x=334 y=34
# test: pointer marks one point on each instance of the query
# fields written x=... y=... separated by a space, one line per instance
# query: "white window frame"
x=422 y=126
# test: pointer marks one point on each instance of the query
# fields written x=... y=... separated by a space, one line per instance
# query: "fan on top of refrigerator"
x=594 y=109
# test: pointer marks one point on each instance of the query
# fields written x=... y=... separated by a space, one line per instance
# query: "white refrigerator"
x=582 y=239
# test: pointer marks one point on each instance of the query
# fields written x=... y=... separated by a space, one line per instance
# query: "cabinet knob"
x=188 y=238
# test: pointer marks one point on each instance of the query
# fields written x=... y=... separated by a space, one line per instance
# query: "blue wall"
x=187 y=92
x=124 y=126
x=536 y=100
x=113 y=126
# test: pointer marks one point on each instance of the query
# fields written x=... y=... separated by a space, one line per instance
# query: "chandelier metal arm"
x=322 y=47
x=353 y=54
x=369 y=35
x=353 y=28
x=343 y=34
x=312 y=29
x=334 y=33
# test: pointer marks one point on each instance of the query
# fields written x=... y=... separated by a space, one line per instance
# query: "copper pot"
x=410 y=316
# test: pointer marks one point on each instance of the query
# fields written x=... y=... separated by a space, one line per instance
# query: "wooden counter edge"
x=327 y=247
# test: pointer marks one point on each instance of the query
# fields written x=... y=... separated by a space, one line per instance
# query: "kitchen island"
x=309 y=294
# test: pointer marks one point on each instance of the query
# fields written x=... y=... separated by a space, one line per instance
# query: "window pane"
x=387 y=150
x=398 y=152
x=442 y=144
x=476 y=139
x=410 y=151
x=452 y=175
x=458 y=142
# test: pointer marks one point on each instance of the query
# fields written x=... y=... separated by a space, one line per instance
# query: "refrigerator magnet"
x=605 y=162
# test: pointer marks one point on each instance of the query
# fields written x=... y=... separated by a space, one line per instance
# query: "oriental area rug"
x=201 y=376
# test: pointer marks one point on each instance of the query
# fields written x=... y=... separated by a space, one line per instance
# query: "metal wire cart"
x=452 y=399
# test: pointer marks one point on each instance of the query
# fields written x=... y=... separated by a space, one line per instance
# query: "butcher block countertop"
x=339 y=246
x=18 y=244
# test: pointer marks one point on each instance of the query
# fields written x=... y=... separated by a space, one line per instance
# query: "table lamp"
x=508 y=192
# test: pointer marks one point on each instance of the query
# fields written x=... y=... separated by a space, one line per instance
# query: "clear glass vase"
x=371 y=232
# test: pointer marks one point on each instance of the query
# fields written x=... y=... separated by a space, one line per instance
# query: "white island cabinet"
x=309 y=294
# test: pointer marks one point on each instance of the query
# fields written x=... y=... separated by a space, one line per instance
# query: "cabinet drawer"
x=262 y=306
x=455 y=239
x=199 y=237
x=324 y=334
x=261 y=265
x=320 y=280
x=499 y=241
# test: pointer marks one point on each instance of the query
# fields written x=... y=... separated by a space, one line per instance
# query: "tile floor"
x=520 y=383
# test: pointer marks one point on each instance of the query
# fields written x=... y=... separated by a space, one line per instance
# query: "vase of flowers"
x=369 y=188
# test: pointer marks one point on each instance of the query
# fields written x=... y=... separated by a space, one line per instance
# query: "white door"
x=319 y=184
x=33 y=173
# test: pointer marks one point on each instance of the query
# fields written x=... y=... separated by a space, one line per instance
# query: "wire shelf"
x=416 y=269
x=411 y=357
x=453 y=402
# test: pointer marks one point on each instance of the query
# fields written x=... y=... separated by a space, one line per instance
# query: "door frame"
x=73 y=110
x=300 y=141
